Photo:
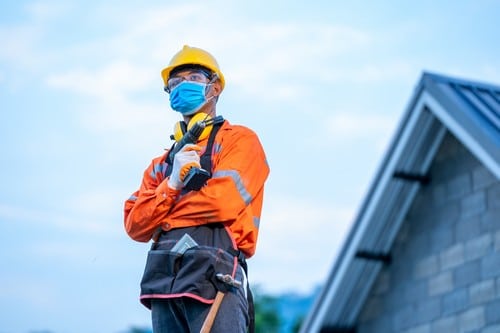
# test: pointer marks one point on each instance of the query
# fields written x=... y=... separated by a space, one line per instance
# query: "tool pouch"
x=170 y=274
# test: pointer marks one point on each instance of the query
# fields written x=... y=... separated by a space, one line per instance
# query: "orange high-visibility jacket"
x=233 y=196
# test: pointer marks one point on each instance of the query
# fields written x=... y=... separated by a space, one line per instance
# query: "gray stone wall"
x=445 y=273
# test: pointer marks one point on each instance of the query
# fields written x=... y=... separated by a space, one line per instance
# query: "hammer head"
x=228 y=279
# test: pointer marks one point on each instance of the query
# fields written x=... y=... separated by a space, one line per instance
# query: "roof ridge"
x=441 y=78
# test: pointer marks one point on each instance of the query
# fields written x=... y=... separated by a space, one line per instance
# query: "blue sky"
x=82 y=113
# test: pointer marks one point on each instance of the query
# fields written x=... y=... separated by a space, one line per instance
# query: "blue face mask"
x=188 y=97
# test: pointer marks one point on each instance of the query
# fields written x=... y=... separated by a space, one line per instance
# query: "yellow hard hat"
x=193 y=56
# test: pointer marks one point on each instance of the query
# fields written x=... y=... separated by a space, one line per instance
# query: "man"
x=199 y=233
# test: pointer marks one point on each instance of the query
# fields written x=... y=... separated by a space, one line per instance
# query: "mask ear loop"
x=210 y=83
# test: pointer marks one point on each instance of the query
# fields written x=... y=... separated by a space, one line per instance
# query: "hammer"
x=209 y=320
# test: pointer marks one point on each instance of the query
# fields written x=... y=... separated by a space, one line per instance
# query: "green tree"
x=267 y=318
x=139 y=330
x=296 y=324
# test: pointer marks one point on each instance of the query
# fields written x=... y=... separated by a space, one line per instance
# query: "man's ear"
x=216 y=88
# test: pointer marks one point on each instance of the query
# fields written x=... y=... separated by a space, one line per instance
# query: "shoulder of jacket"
x=237 y=129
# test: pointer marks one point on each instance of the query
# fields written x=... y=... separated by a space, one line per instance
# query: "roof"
x=471 y=112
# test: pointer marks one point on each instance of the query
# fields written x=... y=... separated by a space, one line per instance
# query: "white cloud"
x=383 y=72
x=272 y=62
x=24 y=44
x=110 y=82
x=162 y=18
x=44 y=11
x=112 y=103
x=282 y=52
x=19 y=47
x=70 y=252
x=33 y=293
x=349 y=126
x=345 y=128
x=62 y=221
x=298 y=240
x=101 y=202
x=251 y=56
x=372 y=72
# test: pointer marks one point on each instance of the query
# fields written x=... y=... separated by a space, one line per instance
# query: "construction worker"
x=202 y=233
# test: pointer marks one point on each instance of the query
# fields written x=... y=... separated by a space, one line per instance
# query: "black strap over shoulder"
x=206 y=158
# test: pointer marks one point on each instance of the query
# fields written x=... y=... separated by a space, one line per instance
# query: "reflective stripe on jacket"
x=233 y=196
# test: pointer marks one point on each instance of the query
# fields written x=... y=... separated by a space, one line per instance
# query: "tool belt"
x=171 y=274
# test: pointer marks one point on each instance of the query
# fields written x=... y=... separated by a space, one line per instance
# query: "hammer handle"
x=209 y=320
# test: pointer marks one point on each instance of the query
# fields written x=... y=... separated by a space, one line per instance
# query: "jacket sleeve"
x=147 y=208
x=239 y=172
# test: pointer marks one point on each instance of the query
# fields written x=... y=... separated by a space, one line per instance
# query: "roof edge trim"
x=457 y=130
x=351 y=243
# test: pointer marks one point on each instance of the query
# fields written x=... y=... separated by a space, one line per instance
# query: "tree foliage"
x=267 y=317
x=134 y=329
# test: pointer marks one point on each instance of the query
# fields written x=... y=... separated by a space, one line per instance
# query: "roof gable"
x=471 y=111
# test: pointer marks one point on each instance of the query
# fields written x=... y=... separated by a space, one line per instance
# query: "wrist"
x=173 y=184
x=165 y=191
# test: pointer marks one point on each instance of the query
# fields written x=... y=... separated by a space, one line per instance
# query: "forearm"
x=146 y=210
x=218 y=201
x=225 y=197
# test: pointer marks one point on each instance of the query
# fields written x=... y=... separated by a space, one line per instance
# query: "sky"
x=82 y=113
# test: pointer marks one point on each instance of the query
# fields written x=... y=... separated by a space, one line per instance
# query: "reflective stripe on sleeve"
x=158 y=168
x=256 y=222
x=235 y=176
x=217 y=148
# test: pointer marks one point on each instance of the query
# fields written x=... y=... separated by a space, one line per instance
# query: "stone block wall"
x=445 y=272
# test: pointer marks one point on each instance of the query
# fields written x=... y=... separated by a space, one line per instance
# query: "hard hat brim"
x=165 y=73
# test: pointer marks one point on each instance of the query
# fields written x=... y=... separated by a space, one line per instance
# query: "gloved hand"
x=184 y=160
